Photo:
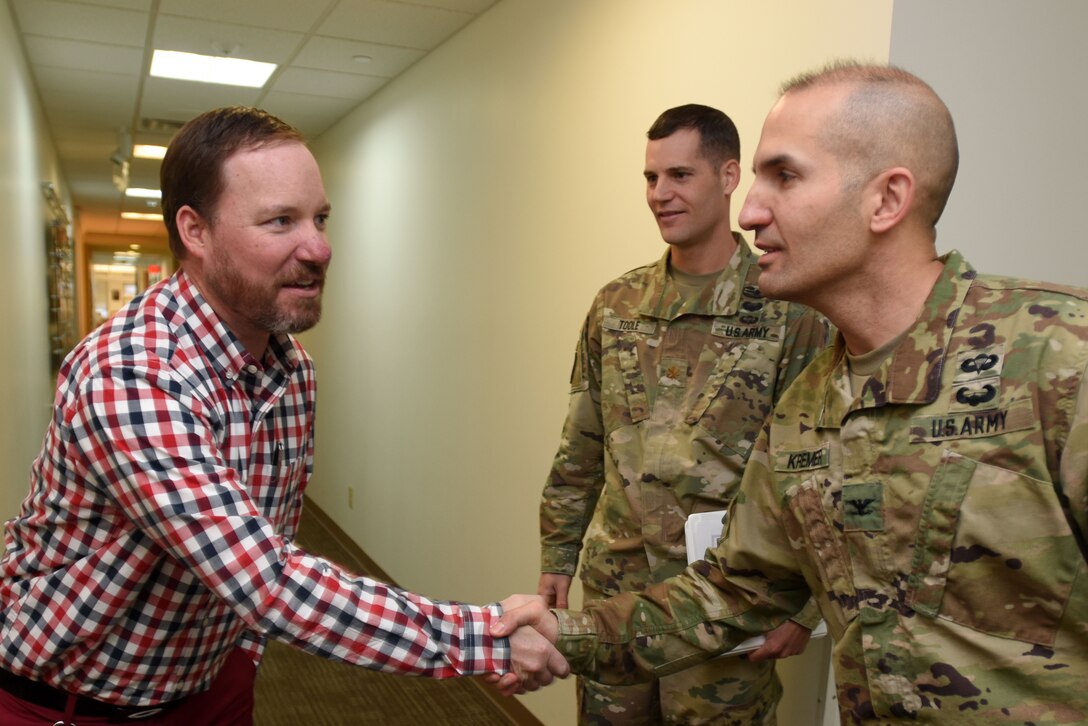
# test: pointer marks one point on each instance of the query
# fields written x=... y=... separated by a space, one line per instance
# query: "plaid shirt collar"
x=226 y=353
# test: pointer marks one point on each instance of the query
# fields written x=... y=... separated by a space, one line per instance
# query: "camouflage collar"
x=912 y=375
x=663 y=301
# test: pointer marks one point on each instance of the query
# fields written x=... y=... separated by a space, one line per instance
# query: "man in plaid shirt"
x=153 y=555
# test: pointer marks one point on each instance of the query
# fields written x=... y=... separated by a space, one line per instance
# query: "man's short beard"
x=258 y=303
x=282 y=322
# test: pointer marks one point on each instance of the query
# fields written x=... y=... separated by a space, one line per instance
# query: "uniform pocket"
x=994 y=552
x=738 y=394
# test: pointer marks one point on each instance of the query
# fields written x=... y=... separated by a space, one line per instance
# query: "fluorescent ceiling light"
x=142 y=215
x=210 y=68
x=148 y=151
x=143 y=193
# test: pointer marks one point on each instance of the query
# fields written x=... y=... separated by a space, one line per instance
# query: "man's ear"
x=193 y=231
x=892 y=194
x=730 y=173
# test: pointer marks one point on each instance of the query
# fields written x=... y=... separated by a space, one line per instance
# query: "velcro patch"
x=805 y=460
x=1016 y=416
x=971 y=365
x=625 y=326
x=863 y=506
x=728 y=328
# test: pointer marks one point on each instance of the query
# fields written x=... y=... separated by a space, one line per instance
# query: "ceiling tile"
x=82 y=22
x=144 y=5
x=101 y=115
x=84 y=145
x=464 y=6
x=381 y=21
x=89 y=96
x=210 y=38
x=281 y=14
x=86 y=84
x=97 y=188
x=335 y=54
x=79 y=54
x=166 y=98
x=327 y=83
x=311 y=115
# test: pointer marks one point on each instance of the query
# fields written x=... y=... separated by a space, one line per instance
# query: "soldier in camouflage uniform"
x=926 y=478
x=677 y=368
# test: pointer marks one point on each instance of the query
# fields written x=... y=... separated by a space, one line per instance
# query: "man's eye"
x=785 y=176
x=321 y=220
x=281 y=221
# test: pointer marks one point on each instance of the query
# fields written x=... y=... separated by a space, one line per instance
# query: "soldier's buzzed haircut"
x=890 y=118
x=719 y=141
x=191 y=172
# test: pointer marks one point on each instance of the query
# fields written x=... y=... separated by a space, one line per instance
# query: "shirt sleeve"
x=148 y=441
x=748 y=585
x=577 y=475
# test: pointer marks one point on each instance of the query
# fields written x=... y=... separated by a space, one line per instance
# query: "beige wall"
x=478 y=203
x=1012 y=73
x=26 y=160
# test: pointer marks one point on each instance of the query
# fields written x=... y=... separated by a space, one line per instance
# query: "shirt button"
x=251 y=369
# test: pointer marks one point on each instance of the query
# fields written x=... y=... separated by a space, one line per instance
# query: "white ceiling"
x=90 y=61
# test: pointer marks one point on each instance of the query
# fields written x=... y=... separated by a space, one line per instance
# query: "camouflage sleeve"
x=807 y=333
x=1073 y=471
x=809 y=617
x=577 y=473
x=748 y=585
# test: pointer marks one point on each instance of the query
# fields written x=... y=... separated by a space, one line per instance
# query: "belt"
x=44 y=695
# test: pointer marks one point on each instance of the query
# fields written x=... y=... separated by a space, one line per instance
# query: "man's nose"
x=316 y=248
x=661 y=190
x=754 y=213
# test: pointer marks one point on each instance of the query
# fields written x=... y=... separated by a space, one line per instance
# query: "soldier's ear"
x=891 y=197
x=730 y=175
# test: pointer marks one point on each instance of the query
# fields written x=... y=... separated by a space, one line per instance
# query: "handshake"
x=532 y=630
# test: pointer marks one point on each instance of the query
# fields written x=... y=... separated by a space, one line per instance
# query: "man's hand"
x=787 y=639
x=554 y=587
x=534 y=659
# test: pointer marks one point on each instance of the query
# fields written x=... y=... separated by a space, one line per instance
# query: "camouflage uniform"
x=667 y=400
x=938 y=519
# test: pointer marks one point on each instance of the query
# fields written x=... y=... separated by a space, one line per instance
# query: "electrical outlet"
x=351 y=498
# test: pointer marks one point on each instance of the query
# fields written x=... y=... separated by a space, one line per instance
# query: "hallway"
x=294 y=687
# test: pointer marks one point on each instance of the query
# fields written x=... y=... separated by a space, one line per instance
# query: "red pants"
x=229 y=702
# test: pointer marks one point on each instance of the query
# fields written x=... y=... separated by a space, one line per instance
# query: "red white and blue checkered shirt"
x=157 y=533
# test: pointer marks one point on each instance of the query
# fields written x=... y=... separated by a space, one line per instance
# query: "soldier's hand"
x=554 y=587
x=534 y=660
x=786 y=640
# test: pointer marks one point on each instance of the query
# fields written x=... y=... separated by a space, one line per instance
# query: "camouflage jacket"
x=938 y=520
x=667 y=399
